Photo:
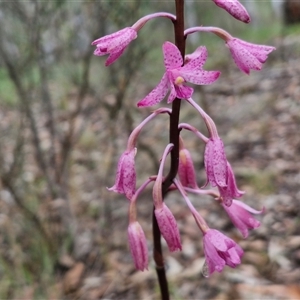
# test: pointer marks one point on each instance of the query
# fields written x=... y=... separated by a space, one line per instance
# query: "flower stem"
x=216 y=30
x=174 y=139
x=141 y=22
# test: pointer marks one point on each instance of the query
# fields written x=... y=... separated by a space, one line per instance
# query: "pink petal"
x=113 y=57
x=259 y=51
x=172 y=56
x=200 y=76
x=241 y=218
x=233 y=257
x=215 y=163
x=183 y=91
x=122 y=41
x=248 y=208
x=110 y=37
x=231 y=183
x=196 y=59
x=168 y=227
x=129 y=175
x=138 y=246
x=217 y=239
x=186 y=170
x=173 y=94
x=213 y=259
x=157 y=94
x=126 y=177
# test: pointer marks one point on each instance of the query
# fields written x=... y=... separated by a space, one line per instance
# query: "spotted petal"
x=172 y=56
x=200 y=76
x=215 y=163
x=196 y=59
x=157 y=94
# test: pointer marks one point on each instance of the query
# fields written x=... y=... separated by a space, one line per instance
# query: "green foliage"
x=8 y=94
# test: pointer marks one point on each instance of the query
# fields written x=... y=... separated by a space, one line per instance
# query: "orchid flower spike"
x=248 y=56
x=176 y=75
x=114 y=44
x=235 y=8
x=138 y=245
x=219 y=172
x=239 y=213
x=220 y=250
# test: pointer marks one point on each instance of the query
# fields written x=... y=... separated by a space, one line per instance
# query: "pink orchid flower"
x=168 y=227
x=240 y=216
x=220 y=250
x=176 y=75
x=219 y=172
x=114 y=44
x=248 y=56
x=235 y=8
x=138 y=245
x=125 y=182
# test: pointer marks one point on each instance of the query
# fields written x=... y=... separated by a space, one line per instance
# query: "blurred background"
x=65 y=119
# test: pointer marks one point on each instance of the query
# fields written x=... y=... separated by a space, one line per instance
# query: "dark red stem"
x=174 y=139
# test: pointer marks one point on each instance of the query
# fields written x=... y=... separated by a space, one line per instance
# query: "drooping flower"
x=165 y=219
x=125 y=182
x=168 y=227
x=240 y=216
x=220 y=250
x=215 y=163
x=177 y=75
x=219 y=172
x=248 y=56
x=138 y=245
x=114 y=44
x=186 y=170
x=235 y=8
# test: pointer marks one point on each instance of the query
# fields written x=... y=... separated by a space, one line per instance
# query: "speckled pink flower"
x=248 y=56
x=240 y=216
x=125 y=182
x=186 y=170
x=220 y=250
x=235 y=8
x=114 y=44
x=138 y=245
x=215 y=162
x=177 y=75
x=168 y=227
x=219 y=172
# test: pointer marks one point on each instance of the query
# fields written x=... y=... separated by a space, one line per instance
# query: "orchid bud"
x=138 y=245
